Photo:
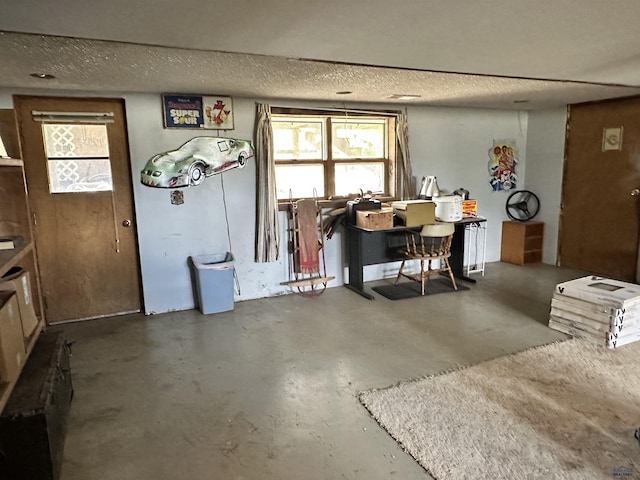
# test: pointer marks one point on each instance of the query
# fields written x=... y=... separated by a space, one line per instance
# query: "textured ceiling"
x=494 y=54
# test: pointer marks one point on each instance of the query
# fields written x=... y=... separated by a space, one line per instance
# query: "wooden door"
x=84 y=224
x=599 y=222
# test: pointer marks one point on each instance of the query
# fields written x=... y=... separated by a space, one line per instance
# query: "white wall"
x=169 y=234
x=545 y=160
x=451 y=143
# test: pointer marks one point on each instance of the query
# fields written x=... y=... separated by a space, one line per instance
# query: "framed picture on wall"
x=612 y=139
x=196 y=111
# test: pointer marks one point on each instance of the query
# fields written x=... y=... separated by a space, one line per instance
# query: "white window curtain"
x=408 y=184
x=267 y=230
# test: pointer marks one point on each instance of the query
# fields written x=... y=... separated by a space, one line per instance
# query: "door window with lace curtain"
x=77 y=157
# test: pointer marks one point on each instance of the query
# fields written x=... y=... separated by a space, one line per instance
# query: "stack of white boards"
x=598 y=309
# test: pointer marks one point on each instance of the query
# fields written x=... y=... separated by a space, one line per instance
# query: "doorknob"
x=635 y=192
x=127 y=223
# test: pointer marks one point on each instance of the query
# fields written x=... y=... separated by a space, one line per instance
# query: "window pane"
x=301 y=180
x=73 y=140
x=300 y=140
x=358 y=139
x=350 y=177
x=80 y=175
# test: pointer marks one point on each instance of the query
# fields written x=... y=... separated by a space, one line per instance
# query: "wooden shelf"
x=7 y=387
x=11 y=162
x=522 y=242
x=15 y=221
x=10 y=258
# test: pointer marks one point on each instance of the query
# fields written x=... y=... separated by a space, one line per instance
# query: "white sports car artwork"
x=197 y=159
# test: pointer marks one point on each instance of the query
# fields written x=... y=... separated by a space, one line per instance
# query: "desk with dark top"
x=371 y=247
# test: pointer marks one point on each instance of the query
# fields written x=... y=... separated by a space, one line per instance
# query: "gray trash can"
x=214 y=281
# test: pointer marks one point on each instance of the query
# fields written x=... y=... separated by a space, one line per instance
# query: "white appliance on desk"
x=448 y=208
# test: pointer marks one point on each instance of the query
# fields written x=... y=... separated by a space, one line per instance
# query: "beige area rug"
x=566 y=410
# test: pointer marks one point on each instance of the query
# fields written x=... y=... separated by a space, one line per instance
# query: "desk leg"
x=457 y=253
x=360 y=291
x=354 y=246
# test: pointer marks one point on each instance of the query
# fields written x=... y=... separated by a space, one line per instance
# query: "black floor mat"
x=411 y=289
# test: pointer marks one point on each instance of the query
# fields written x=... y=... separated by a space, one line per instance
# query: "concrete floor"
x=269 y=390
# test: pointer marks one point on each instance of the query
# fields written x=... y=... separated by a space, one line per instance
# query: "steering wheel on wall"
x=522 y=205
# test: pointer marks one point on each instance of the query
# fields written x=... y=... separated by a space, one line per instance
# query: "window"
x=77 y=157
x=328 y=155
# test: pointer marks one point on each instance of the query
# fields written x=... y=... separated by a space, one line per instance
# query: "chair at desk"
x=432 y=243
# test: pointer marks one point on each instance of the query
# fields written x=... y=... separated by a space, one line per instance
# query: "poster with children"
x=502 y=166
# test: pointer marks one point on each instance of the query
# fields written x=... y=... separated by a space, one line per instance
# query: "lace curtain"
x=267 y=230
x=407 y=182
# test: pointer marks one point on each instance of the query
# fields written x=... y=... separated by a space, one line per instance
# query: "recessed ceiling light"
x=402 y=96
x=344 y=92
x=43 y=76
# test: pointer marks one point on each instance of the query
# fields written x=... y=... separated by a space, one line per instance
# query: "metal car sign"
x=197 y=159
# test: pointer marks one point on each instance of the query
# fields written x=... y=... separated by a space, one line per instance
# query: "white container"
x=448 y=208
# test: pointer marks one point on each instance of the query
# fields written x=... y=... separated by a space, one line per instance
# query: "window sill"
x=283 y=205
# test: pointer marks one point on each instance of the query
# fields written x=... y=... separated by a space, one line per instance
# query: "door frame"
x=129 y=191
x=626 y=109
